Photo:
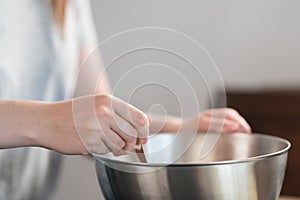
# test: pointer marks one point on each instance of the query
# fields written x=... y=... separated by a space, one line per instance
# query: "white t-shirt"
x=37 y=63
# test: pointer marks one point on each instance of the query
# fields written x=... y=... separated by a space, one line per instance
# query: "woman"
x=42 y=46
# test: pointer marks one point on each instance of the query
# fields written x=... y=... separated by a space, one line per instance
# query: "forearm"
x=173 y=124
x=225 y=120
x=20 y=123
x=36 y=123
x=58 y=130
x=52 y=125
x=160 y=123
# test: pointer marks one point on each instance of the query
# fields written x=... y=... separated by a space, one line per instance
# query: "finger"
x=233 y=115
x=214 y=124
x=131 y=114
x=233 y=127
x=222 y=113
x=143 y=132
x=221 y=125
x=120 y=153
x=101 y=151
x=127 y=132
x=113 y=141
x=129 y=146
x=98 y=147
x=244 y=125
x=123 y=128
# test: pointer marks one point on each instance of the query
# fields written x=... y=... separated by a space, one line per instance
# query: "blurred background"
x=256 y=46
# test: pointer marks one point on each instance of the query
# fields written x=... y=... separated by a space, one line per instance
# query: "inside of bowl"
x=185 y=148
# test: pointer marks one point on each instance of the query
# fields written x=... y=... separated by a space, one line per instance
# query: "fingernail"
x=144 y=140
x=140 y=119
x=143 y=121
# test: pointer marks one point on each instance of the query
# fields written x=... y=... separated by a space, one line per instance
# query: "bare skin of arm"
x=20 y=122
x=51 y=125
x=225 y=120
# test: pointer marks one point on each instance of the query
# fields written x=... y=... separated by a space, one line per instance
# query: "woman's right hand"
x=93 y=124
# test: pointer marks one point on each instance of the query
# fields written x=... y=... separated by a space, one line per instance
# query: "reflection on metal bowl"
x=239 y=166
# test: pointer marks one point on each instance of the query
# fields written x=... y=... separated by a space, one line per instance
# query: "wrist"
x=190 y=124
x=50 y=125
x=58 y=131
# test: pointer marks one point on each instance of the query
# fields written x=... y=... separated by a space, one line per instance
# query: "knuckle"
x=106 y=98
x=104 y=111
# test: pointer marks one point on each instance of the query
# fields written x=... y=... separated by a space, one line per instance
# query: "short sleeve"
x=87 y=30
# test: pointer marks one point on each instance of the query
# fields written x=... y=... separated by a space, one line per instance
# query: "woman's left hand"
x=226 y=120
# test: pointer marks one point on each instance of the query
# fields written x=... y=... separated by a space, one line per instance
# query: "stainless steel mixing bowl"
x=239 y=167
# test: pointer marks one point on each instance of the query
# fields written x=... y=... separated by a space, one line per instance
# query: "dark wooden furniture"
x=288 y=198
x=276 y=113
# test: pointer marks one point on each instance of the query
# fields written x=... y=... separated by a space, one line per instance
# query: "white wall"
x=255 y=43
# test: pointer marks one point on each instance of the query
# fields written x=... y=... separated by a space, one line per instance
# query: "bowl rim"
x=103 y=158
